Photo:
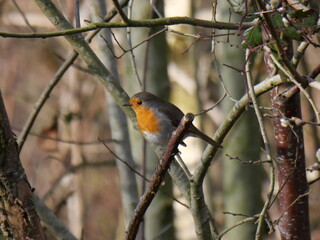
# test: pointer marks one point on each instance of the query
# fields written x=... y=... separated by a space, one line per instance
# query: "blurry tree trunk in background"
x=241 y=182
x=70 y=107
x=182 y=70
x=19 y=219
x=159 y=217
x=118 y=121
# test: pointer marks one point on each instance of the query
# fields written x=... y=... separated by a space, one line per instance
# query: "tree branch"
x=231 y=119
x=133 y=23
x=120 y=11
x=158 y=176
x=52 y=223
x=265 y=141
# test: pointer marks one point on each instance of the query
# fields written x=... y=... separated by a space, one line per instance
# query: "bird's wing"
x=174 y=113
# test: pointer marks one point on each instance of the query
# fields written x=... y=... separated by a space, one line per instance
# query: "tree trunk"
x=118 y=120
x=19 y=219
x=294 y=219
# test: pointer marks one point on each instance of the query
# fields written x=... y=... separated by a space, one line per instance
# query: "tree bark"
x=19 y=219
x=294 y=219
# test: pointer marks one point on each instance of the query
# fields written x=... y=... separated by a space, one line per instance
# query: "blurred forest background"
x=64 y=156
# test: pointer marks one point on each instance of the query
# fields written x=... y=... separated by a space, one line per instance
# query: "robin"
x=158 y=119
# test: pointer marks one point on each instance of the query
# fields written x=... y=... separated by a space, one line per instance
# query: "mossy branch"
x=151 y=23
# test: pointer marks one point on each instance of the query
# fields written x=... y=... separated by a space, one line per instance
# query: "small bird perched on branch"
x=158 y=119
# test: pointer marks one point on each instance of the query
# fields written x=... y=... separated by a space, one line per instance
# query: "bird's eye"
x=139 y=102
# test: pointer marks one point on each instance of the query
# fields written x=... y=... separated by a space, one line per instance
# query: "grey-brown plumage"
x=169 y=116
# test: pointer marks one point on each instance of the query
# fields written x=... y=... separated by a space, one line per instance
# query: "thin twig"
x=296 y=121
x=73 y=169
x=183 y=166
x=235 y=214
x=298 y=84
x=23 y=16
x=67 y=141
x=142 y=175
x=132 y=56
x=145 y=63
x=250 y=162
x=265 y=141
x=314 y=181
x=246 y=220
x=75 y=65
x=294 y=202
x=278 y=45
x=217 y=68
x=201 y=36
x=190 y=45
x=230 y=120
x=216 y=104
x=125 y=163
x=43 y=98
x=281 y=187
x=132 y=48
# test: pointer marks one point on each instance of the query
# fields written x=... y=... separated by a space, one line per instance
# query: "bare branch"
x=295 y=120
x=51 y=222
x=315 y=72
x=120 y=11
x=158 y=176
x=246 y=220
x=132 y=56
x=299 y=85
x=74 y=169
x=290 y=205
x=133 y=23
x=216 y=104
x=265 y=141
x=231 y=119
x=251 y=162
x=23 y=16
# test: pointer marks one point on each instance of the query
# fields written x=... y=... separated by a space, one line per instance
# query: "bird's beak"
x=127 y=105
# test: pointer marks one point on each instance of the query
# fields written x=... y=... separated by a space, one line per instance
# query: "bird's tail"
x=197 y=133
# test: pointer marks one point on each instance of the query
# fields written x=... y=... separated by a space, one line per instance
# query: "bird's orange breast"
x=147 y=120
